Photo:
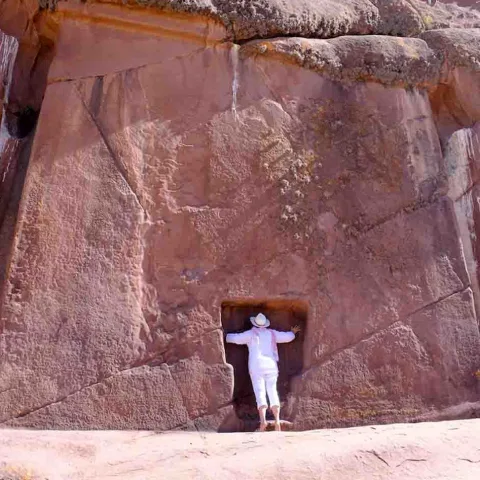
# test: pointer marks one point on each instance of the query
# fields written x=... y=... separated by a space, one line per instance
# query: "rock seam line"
x=330 y=355
x=118 y=164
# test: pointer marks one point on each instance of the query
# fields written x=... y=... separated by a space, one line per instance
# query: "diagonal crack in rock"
x=118 y=164
x=64 y=397
x=328 y=356
x=377 y=455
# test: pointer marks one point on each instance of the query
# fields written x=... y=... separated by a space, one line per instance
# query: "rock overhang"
x=247 y=20
x=346 y=43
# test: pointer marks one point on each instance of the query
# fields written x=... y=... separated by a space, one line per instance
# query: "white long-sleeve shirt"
x=261 y=354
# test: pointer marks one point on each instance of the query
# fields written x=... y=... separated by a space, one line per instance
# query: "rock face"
x=179 y=182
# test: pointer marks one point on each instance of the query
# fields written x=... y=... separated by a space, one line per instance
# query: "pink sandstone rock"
x=444 y=451
x=178 y=183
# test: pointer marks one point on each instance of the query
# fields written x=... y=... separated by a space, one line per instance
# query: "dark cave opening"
x=283 y=314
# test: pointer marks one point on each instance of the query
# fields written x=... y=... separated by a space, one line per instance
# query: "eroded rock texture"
x=185 y=163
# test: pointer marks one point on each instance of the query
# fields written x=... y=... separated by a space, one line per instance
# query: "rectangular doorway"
x=283 y=314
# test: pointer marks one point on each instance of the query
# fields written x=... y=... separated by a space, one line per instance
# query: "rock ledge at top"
x=252 y=19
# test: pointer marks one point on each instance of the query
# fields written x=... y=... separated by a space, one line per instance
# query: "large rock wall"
x=173 y=170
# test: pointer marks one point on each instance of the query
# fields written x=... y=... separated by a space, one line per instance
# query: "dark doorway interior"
x=283 y=314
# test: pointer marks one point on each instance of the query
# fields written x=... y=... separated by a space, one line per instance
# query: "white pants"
x=264 y=384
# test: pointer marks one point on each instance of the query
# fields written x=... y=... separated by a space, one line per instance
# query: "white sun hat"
x=260 y=320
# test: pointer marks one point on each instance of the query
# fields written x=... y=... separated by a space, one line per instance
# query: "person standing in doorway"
x=263 y=363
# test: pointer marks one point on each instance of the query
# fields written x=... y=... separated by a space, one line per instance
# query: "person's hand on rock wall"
x=295 y=329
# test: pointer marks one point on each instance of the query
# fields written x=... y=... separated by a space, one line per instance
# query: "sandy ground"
x=444 y=450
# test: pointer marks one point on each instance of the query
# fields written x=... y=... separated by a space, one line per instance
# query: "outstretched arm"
x=239 y=338
x=285 y=337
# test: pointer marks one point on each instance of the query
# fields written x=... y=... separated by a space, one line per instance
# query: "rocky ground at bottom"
x=447 y=450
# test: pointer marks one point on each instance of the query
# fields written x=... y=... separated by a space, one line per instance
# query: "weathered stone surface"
x=24 y=62
x=250 y=19
x=456 y=99
x=448 y=13
x=396 y=257
x=368 y=380
x=223 y=420
x=445 y=450
x=174 y=172
x=204 y=388
x=132 y=47
x=8 y=51
x=17 y=19
x=449 y=326
x=153 y=393
x=387 y=60
x=8 y=146
x=34 y=35
x=462 y=161
x=460 y=47
x=269 y=18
